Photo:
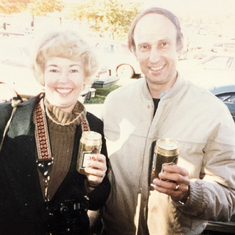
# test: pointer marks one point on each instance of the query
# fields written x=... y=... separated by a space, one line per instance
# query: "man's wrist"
x=184 y=199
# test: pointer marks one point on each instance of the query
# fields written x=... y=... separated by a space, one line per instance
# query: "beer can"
x=90 y=144
x=166 y=152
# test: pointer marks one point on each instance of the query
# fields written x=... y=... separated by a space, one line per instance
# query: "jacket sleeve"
x=99 y=195
x=212 y=197
x=5 y=113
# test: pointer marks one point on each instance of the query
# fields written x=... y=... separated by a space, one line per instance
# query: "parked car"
x=217 y=67
x=14 y=56
x=103 y=77
x=222 y=62
x=14 y=51
x=117 y=57
x=215 y=62
x=223 y=47
x=225 y=91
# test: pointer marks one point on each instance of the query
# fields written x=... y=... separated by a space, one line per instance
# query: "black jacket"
x=22 y=208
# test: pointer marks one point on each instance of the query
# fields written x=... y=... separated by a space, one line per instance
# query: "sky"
x=202 y=7
x=192 y=6
x=195 y=8
x=223 y=10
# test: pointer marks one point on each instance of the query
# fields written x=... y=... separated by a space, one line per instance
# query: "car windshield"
x=217 y=63
x=230 y=97
x=112 y=47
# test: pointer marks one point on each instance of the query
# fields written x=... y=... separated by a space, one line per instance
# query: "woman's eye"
x=74 y=71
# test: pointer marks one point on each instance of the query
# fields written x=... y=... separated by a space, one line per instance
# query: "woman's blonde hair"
x=66 y=44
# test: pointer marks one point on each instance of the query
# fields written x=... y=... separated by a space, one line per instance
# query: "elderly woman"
x=42 y=191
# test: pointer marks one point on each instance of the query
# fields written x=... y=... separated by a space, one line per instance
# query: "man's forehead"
x=153 y=20
x=155 y=25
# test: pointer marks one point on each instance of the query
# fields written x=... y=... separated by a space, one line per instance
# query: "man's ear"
x=180 y=47
x=135 y=55
x=134 y=52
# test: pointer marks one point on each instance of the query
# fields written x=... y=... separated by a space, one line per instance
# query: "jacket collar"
x=178 y=88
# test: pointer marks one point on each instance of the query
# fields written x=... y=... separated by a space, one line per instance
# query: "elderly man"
x=163 y=104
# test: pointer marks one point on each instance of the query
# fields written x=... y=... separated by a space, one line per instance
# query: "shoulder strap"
x=14 y=105
x=44 y=154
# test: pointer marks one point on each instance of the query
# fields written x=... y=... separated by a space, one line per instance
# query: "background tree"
x=13 y=6
x=79 y=10
x=42 y=7
x=112 y=17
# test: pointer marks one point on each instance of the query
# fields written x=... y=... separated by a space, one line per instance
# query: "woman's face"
x=63 y=82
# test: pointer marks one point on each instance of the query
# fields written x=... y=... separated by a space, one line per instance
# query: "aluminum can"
x=90 y=144
x=166 y=152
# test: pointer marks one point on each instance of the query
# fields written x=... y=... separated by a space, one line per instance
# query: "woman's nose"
x=64 y=77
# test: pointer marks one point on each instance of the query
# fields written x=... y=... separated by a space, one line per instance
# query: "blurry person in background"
x=41 y=190
x=162 y=104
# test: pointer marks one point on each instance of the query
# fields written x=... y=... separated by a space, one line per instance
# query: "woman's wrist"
x=89 y=187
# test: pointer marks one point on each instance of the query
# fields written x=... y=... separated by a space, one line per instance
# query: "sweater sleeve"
x=99 y=195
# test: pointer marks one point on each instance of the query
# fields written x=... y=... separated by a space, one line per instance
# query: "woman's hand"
x=95 y=170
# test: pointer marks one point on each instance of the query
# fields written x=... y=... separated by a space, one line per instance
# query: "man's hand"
x=174 y=182
x=95 y=170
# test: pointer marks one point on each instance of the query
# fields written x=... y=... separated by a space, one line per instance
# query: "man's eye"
x=144 y=47
x=164 y=44
x=53 y=71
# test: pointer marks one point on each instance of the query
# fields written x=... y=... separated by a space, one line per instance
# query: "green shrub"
x=101 y=94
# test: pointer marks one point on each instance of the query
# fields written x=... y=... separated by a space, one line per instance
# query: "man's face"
x=156 y=51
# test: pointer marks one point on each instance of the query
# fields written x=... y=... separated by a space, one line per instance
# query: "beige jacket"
x=204 y=128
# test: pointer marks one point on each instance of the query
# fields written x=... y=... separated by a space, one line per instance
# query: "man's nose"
x=154 y=55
